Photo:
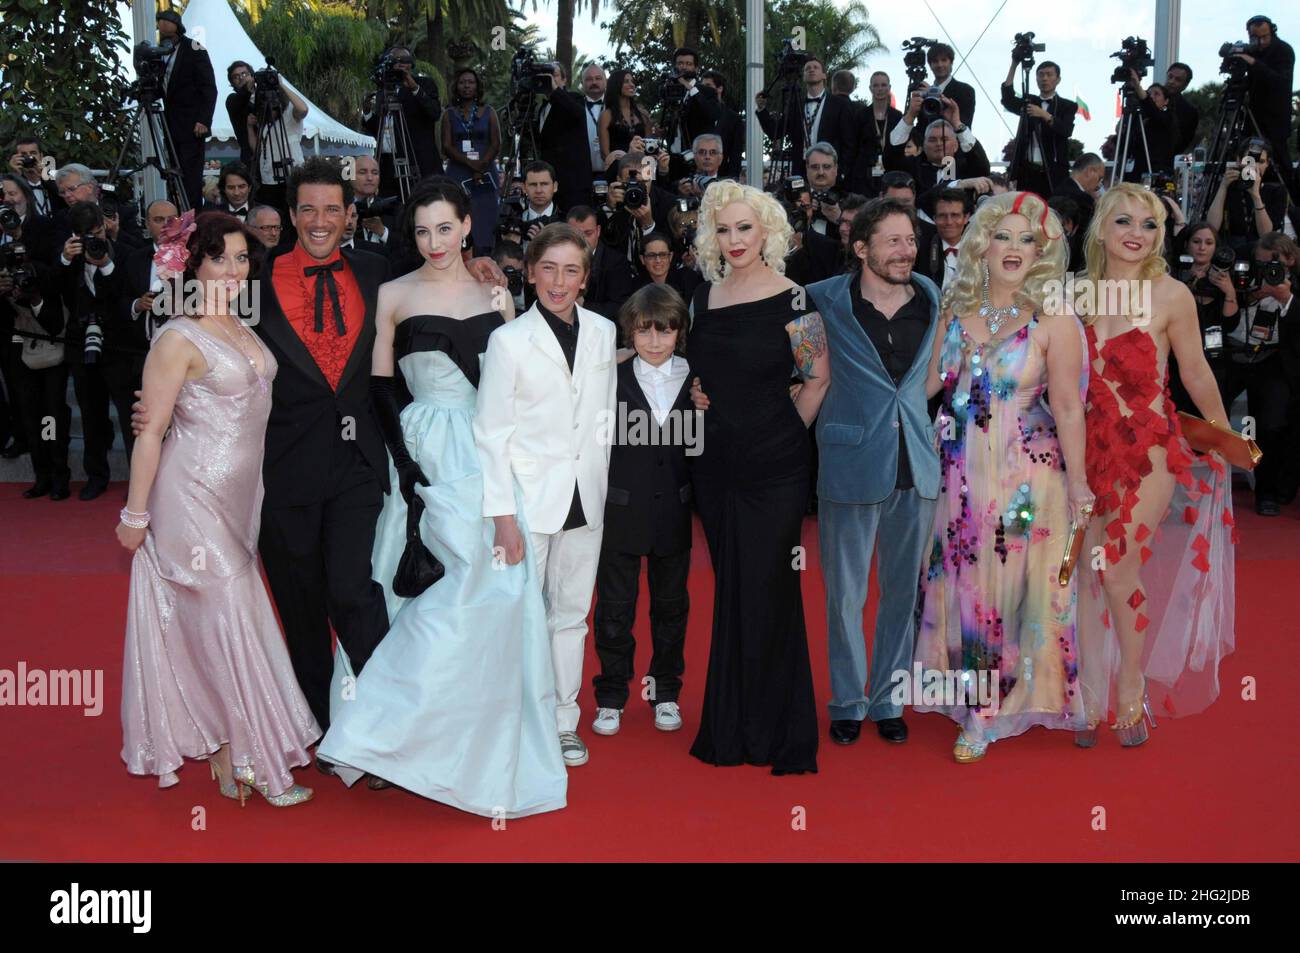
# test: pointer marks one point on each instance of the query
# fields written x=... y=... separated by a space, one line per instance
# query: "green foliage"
x=63 y=80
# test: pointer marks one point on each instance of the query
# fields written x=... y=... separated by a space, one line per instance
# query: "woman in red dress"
x=1156 y=606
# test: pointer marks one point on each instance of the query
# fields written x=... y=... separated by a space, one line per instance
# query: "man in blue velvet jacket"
x=879 y=471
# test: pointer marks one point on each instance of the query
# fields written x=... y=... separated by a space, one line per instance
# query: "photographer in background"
x=24 y=224
x=708 y=160
x=275 y=133
x=1159 y=132
x=1083 y=185
x=730 y=127
x=930 y=170
x=817 y=116
x=189 y=100
x=28 y=163
x=875 y=154
x=700 y=108
x=823 y=167
x=611 y=274
x=1272 y=72
x=940 y=57
x=91 y=289
x=1042 y=156
x=1207 y=270
x=1186 y=116
x=239 y=105
x=635 y=206
x=1255 y=363
x=1245 y=206
x=417 y=96
x=36 y=376
x=825 y=256
x=562 y=141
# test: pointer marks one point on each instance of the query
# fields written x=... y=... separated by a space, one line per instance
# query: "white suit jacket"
x=541 y=425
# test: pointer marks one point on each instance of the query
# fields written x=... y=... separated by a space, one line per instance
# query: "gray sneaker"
x=572 y=749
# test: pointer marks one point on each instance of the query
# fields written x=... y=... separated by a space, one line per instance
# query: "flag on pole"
x=1083 y=107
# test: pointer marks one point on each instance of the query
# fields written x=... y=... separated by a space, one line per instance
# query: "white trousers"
x=566 y=564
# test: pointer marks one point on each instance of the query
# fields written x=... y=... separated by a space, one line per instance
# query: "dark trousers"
x=123 y=374
x=96 y=429
x=47 y=420
x=317 y=560
x=11 y=415
x=190 y=153
x=617 y=582
x=1267 y=395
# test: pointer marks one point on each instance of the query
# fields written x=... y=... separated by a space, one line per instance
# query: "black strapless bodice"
x=463 y=339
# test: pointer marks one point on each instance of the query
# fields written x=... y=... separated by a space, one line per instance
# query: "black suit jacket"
x=1070 y=189
x=963 y=95
x=732 y=130
x=970 y=165
x=647 y=507
x=1271 y=81
x=83 y=307
x=134 y=282
x=562 y=141
x=611 y=280
x=308 y=418
x=239 y=105
x=872 y=144
x=1186 y=117
x=421 y=109
x=838 y=126
x=1054 y=137
x=191 y=94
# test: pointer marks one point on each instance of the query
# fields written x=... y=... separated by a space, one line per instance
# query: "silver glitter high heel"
x=295 y=795
x=231 y=789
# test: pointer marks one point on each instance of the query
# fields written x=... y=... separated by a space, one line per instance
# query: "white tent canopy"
x=215 y=25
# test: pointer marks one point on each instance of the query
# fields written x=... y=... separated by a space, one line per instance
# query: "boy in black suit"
x=647 y=511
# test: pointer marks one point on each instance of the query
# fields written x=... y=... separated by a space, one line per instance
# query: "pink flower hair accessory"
x=172 y=255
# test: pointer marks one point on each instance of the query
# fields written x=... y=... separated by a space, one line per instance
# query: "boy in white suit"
x=544 y=398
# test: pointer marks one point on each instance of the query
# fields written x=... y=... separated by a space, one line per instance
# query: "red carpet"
x=1218 y=786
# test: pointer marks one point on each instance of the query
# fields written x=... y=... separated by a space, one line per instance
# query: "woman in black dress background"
x=623 y=118
x=750 y=328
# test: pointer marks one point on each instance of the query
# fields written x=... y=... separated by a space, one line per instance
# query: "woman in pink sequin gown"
x=206 y=672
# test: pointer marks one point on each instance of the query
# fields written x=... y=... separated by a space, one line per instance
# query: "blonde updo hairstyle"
x=966 y=293
x=771 y=218
x=1094 y=249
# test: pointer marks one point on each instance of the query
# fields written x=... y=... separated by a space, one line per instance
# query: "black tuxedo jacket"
x=1054 y=137
x=647 y=508
x=732 y=130
x=963 y=95
x=191 y=94
x=838 y=126
x=619 y=224
x=1186 y=117
x=421 y=109
x=83 y=306
x=970 y=165
x=872 y=143
x=611 y=278
x=134 y=282
x=1070 y=189
x=562 y=141
x=308 y=418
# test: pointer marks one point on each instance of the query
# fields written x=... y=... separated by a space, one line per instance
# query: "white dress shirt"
x=902 y=129
x=531 y=215
x=594 y=107
x=949 y=264
x=661 y=384
x=820 y=105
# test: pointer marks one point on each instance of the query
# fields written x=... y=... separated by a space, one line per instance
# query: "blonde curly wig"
x=771 y=218
x=966 y=293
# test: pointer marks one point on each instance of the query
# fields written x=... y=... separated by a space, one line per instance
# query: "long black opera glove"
x=384 y=397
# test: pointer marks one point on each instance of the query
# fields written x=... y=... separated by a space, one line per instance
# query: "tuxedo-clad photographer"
x=660 y=264
x=1042 y=156
x=709 y=158
x=563 y=143
x=542 y=208
x=1157 y=135
x=730 y=126
x=267 y=224
x=278 y=143
x=817 y=116
x=189 y=100
x=239 y=106
x=875 y=154
x=822 y=166
x=611 y=275
x=1255 y=361
x=91 y=288
x=635 y=206
x=700 y=108
x=929 y=170
x=235 y=190
x=1249 y=202
x=28 y=163
x=377 y=215
x=36 y=375
x=824 y=256
x=1186 y=116
x=417 y=96
x=1271 y=74
x=940 y=57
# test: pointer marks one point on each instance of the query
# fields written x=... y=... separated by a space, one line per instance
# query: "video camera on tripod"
x=1237 y=70
x=792 y=59
x=1023 y=50
x=915 y=64
x=150 y=60
x=387 y=74
x=528 y=77
x=267 y=80
x=1134 y=55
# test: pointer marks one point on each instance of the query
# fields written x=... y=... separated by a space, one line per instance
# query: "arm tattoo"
x=807 y=342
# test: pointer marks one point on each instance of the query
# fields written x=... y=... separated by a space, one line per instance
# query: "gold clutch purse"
x=1204 y=436
x=1073 y=547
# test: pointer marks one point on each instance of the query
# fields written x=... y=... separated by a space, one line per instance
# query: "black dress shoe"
x=92 y=490
x=325 y=767
x=892 y=729
x=1267 y=507
x=60 y=492
x=845 y=731
x=36 y=491
x=14 y=450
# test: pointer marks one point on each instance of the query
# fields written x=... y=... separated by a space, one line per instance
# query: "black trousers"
x=1267 y=395
x=617 y=581
x=317 y=560
x=96 y=429
x=190 y=153
x=43 y=396
x=123 y=374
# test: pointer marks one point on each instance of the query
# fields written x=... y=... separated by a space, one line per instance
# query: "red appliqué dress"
x=1185 y=603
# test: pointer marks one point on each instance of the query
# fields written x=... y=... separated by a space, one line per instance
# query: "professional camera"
x=701 y=182
x=13 y=259
x=1237 y=71
x=796 y=215
x=829 y=197
x=150 y=67
x=634 y=193
x=10 y=220
x=1132 y=55
x=914 y=60
x=1024 y=48
x=792 y=60
x=267 y=80
x=371 y=206
x=386 y=72
x=529 y=77
x=28 y=162
x=92 y=246
x=1267 y=273
x=1223 y=259
x=792 y=188
x=671 y=92
x=690 y=204
x=514 y=279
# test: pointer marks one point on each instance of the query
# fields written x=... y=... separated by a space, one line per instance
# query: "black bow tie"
x=812 y=99
x=325 y=278
x=241 y=212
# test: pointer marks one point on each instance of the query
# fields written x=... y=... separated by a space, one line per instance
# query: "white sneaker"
x=572 y=749
x=607 y=721
x=668 y=717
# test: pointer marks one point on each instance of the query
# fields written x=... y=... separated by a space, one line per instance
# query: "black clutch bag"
x=418 y=569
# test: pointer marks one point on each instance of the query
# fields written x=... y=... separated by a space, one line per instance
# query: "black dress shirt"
x=567 y=335
x=897 y=341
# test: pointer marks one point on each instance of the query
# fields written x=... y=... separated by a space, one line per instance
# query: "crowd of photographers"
x=77 y=282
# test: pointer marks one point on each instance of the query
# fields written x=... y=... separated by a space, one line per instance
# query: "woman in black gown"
x=623 y=118
x=750 y=327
